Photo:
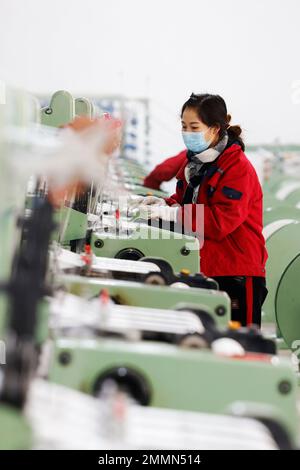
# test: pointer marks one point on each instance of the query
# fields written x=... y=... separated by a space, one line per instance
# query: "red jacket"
x=165 y=171
x=232 y=197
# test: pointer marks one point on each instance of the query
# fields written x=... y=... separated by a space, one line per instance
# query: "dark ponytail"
x=212 y=111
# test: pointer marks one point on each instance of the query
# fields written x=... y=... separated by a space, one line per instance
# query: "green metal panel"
x=143 y=191
x=280 y=212
x=142 y=295
x=134 y=179
x=72 y=225
x=19 y=108
x=181 y=379
x=293 y=198
x=42 y=327
x=60 y=111
x=283 y=247
x=269 y=200
x=278 y=178
x=18 y=111
x=7 y=232
x=134 y=168
x=15 y=432
x=285 y=191
x=288 y=303
x=3 y=314
x=84 y=107
x=154 y=242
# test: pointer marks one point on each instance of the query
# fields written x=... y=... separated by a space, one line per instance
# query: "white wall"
x=246 y=50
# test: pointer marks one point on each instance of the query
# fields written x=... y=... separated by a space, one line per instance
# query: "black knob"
x=220 y=310
x=284 y=387
x=99 y=243
x=65 y=358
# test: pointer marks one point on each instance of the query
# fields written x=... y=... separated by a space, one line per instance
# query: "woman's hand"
x=147 y=201
x=158 y=212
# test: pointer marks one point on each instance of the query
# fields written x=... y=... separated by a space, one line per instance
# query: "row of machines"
x=106 y=323
x=281 y=230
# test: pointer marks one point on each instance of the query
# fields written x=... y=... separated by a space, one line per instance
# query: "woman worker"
x=217 y=174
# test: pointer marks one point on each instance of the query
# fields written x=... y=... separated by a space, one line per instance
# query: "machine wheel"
x=207 y=321
x=156 y=279
x=166 y=270
x=193 y=341
x=130 y=254
x=128 y=381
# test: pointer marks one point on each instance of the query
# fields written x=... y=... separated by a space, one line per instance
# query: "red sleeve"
x=172 y=200
x=165 y=171
x=229 y=207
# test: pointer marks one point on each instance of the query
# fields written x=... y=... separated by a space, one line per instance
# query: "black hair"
x=212 y=111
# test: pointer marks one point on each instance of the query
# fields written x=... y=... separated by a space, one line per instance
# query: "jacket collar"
x=223 y=161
